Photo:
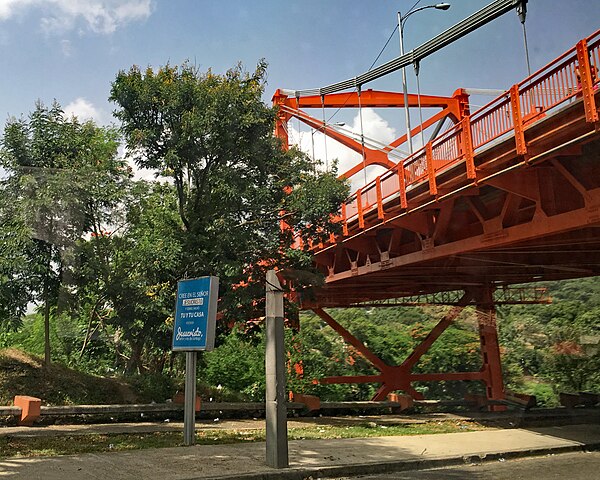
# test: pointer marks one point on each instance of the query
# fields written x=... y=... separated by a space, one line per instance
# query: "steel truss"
x=401 y=377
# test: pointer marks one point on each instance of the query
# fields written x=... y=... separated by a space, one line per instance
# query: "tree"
x=213 y=136
x=64 y=176
x=128 y=278
x=15 y=267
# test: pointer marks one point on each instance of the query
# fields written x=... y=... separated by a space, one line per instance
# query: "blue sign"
x=196 y=314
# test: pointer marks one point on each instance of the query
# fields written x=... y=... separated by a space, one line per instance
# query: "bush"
x=154 y=387
x=543 y=392
x=238 y=365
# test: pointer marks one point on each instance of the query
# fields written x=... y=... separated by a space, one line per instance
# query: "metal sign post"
x=194 y=331
x=189 y=406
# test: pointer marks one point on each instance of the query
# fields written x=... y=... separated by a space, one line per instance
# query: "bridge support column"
x=490 y=350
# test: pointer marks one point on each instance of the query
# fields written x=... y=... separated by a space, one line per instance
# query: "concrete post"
x=276 y=410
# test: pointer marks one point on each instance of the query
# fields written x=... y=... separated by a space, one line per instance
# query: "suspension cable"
x=522 y=12
x=370 y=142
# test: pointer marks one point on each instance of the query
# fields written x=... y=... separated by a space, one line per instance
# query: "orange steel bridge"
x=510 y=194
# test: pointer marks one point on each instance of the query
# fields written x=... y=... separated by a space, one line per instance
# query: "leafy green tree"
x=213 y=136
x=16 y=283
x=127 y=278
x=64 y=176
x=543 y=343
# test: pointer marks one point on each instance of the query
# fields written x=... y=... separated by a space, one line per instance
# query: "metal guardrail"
x=10 y=411
x=242 y=407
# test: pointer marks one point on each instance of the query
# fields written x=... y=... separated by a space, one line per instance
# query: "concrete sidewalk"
x=316 y=458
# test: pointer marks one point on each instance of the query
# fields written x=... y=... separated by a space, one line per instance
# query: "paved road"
x=574 y=466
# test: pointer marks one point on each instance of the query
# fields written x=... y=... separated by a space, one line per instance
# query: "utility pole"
x=276 y=410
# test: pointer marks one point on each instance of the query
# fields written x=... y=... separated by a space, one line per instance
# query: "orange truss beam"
x=455 y=108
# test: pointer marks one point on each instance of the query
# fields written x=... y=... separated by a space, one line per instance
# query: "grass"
x=18 y=446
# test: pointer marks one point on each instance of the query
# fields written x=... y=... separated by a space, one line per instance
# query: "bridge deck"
x=509 y=195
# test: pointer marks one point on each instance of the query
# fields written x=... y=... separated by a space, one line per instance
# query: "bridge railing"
x=492 y=121
x=557 y=82
x=503 y=117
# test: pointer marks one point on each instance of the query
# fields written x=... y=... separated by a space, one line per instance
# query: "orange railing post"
x=380 y=215
x=430 y=169
x=587 y=82
x=515 y=105
x=344 y=220
x=402 y=185
x=467 y=144
x=361 y=219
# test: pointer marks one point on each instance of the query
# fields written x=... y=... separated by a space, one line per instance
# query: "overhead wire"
x=384 y=47
x=357 y=89
x=374 y=62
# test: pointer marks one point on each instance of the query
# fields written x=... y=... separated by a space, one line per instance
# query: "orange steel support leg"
x=490 y=350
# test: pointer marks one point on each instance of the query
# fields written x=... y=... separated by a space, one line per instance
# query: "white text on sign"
x=188 y=302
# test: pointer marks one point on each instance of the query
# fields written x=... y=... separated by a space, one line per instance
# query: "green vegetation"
x=234 y=371
x=544 y=351
x=13 y=446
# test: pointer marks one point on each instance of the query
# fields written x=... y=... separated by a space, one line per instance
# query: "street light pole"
x=404 y=87
x=401 y=20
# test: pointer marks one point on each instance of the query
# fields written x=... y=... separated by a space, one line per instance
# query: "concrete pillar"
x=276 y=410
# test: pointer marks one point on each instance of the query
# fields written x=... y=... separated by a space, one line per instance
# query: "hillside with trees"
x=541 y=345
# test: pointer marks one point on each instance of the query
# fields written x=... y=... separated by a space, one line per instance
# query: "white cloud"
x=374 y=127
x=8 y=8
x=139 y=173
x=84 y=110
x=98 y=16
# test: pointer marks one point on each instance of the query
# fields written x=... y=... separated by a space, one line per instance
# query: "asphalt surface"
x=572 y=466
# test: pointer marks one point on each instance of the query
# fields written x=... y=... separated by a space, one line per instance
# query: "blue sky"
x=71 y=50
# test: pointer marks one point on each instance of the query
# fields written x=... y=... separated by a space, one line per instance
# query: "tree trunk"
x=46 y=326
x=134 y=364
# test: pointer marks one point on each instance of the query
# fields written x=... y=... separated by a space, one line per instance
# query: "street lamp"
x=401 y=21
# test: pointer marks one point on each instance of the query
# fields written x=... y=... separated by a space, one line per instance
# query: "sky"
x=71 y=50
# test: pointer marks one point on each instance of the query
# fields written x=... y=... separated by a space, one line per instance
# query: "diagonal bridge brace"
x=400 y=377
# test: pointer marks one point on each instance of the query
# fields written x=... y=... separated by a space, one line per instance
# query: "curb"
x=400 y=466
